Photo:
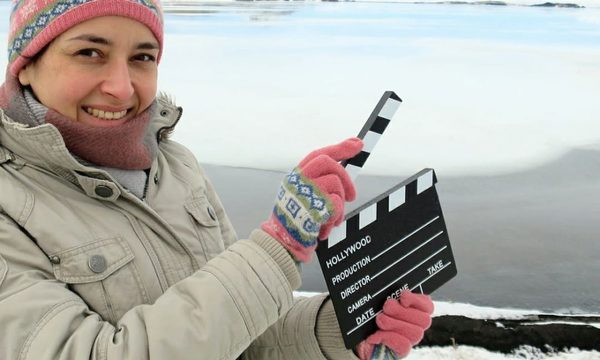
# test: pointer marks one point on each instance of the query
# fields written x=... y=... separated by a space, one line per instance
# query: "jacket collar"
x=43 y=145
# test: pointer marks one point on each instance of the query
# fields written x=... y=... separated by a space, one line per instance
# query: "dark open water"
x=528 y=240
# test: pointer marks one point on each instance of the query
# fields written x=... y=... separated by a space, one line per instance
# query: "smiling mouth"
x=106 y=115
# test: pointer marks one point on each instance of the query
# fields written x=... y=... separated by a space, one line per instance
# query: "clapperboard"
x=394 y=242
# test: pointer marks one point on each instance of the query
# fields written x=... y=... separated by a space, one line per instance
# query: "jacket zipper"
x=158 y=270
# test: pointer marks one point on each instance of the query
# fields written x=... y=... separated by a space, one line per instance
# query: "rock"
x=452 y=2
x=550 y=4
x=496 y=3
x=546 y=332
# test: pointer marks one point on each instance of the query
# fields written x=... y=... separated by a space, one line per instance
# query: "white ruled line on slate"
x=407 y=254
x=404 y=238
x=409 y=271
x=366 y=321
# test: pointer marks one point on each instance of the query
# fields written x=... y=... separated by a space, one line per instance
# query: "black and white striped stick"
x=372 y=130
x=370 y=133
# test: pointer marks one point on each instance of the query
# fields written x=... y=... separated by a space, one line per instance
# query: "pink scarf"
x=129 y=146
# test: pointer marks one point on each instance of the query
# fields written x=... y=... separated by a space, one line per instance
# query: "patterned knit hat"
x=35 y=23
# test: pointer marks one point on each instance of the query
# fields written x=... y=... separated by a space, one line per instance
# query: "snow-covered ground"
x=470 y=352
x=478 y=312
x=462 y=352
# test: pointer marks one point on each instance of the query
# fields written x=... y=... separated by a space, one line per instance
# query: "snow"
x=480 y=312
x=477 y=312
x=462 y=352
x=596 y=325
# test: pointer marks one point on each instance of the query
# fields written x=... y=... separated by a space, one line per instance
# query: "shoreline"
x=505 y=332
x=175 y=6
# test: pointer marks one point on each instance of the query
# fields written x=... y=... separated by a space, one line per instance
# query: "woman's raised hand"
x=311 y=199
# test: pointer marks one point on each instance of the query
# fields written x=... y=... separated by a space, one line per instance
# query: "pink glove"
x=311 y=199
x=401 y=326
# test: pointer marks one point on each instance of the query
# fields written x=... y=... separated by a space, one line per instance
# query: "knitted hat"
x=35 y=23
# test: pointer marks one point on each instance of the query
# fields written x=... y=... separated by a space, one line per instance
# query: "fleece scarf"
x=124 y=151
x=128 y=147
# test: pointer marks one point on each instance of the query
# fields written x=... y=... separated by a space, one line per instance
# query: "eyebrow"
x=103 y=41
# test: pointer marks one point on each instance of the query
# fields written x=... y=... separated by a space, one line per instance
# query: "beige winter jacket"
x=89 y=271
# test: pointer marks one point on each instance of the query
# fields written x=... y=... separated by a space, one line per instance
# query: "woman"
x=113 y=243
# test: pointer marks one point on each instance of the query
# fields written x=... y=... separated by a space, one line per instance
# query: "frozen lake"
x=486 y=89
x=502 y=101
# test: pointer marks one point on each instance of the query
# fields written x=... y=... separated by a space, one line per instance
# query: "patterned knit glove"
x=401 y=326
x=311 y=199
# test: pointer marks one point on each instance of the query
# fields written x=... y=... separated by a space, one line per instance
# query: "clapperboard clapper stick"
x=396 y=241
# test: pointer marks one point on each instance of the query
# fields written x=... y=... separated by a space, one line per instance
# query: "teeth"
x=106 y=115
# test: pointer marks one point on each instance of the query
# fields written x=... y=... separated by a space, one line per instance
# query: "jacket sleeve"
x=309 y=331
x=43 y=319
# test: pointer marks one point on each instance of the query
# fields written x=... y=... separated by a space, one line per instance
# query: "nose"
x=117 y=80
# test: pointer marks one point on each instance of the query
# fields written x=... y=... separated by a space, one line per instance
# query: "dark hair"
x=38 y=55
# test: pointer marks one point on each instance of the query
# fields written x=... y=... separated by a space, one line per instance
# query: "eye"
x=145 y=58
x=92 y=53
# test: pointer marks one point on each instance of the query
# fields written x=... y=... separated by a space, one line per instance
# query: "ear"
x=25 y=75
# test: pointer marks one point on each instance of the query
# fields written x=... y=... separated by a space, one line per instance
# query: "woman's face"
x=101 y=72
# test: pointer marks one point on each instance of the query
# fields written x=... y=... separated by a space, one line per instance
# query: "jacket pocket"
x=206 y=224
x=103 y=274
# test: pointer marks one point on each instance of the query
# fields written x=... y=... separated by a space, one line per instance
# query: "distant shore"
x=503 y=3
x=190 y=6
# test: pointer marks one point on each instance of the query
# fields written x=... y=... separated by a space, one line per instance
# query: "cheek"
x=62 y=93
x=54 y=86
x=72 y=87
x=69 y=99
x=147 y=92
x=73 y=92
